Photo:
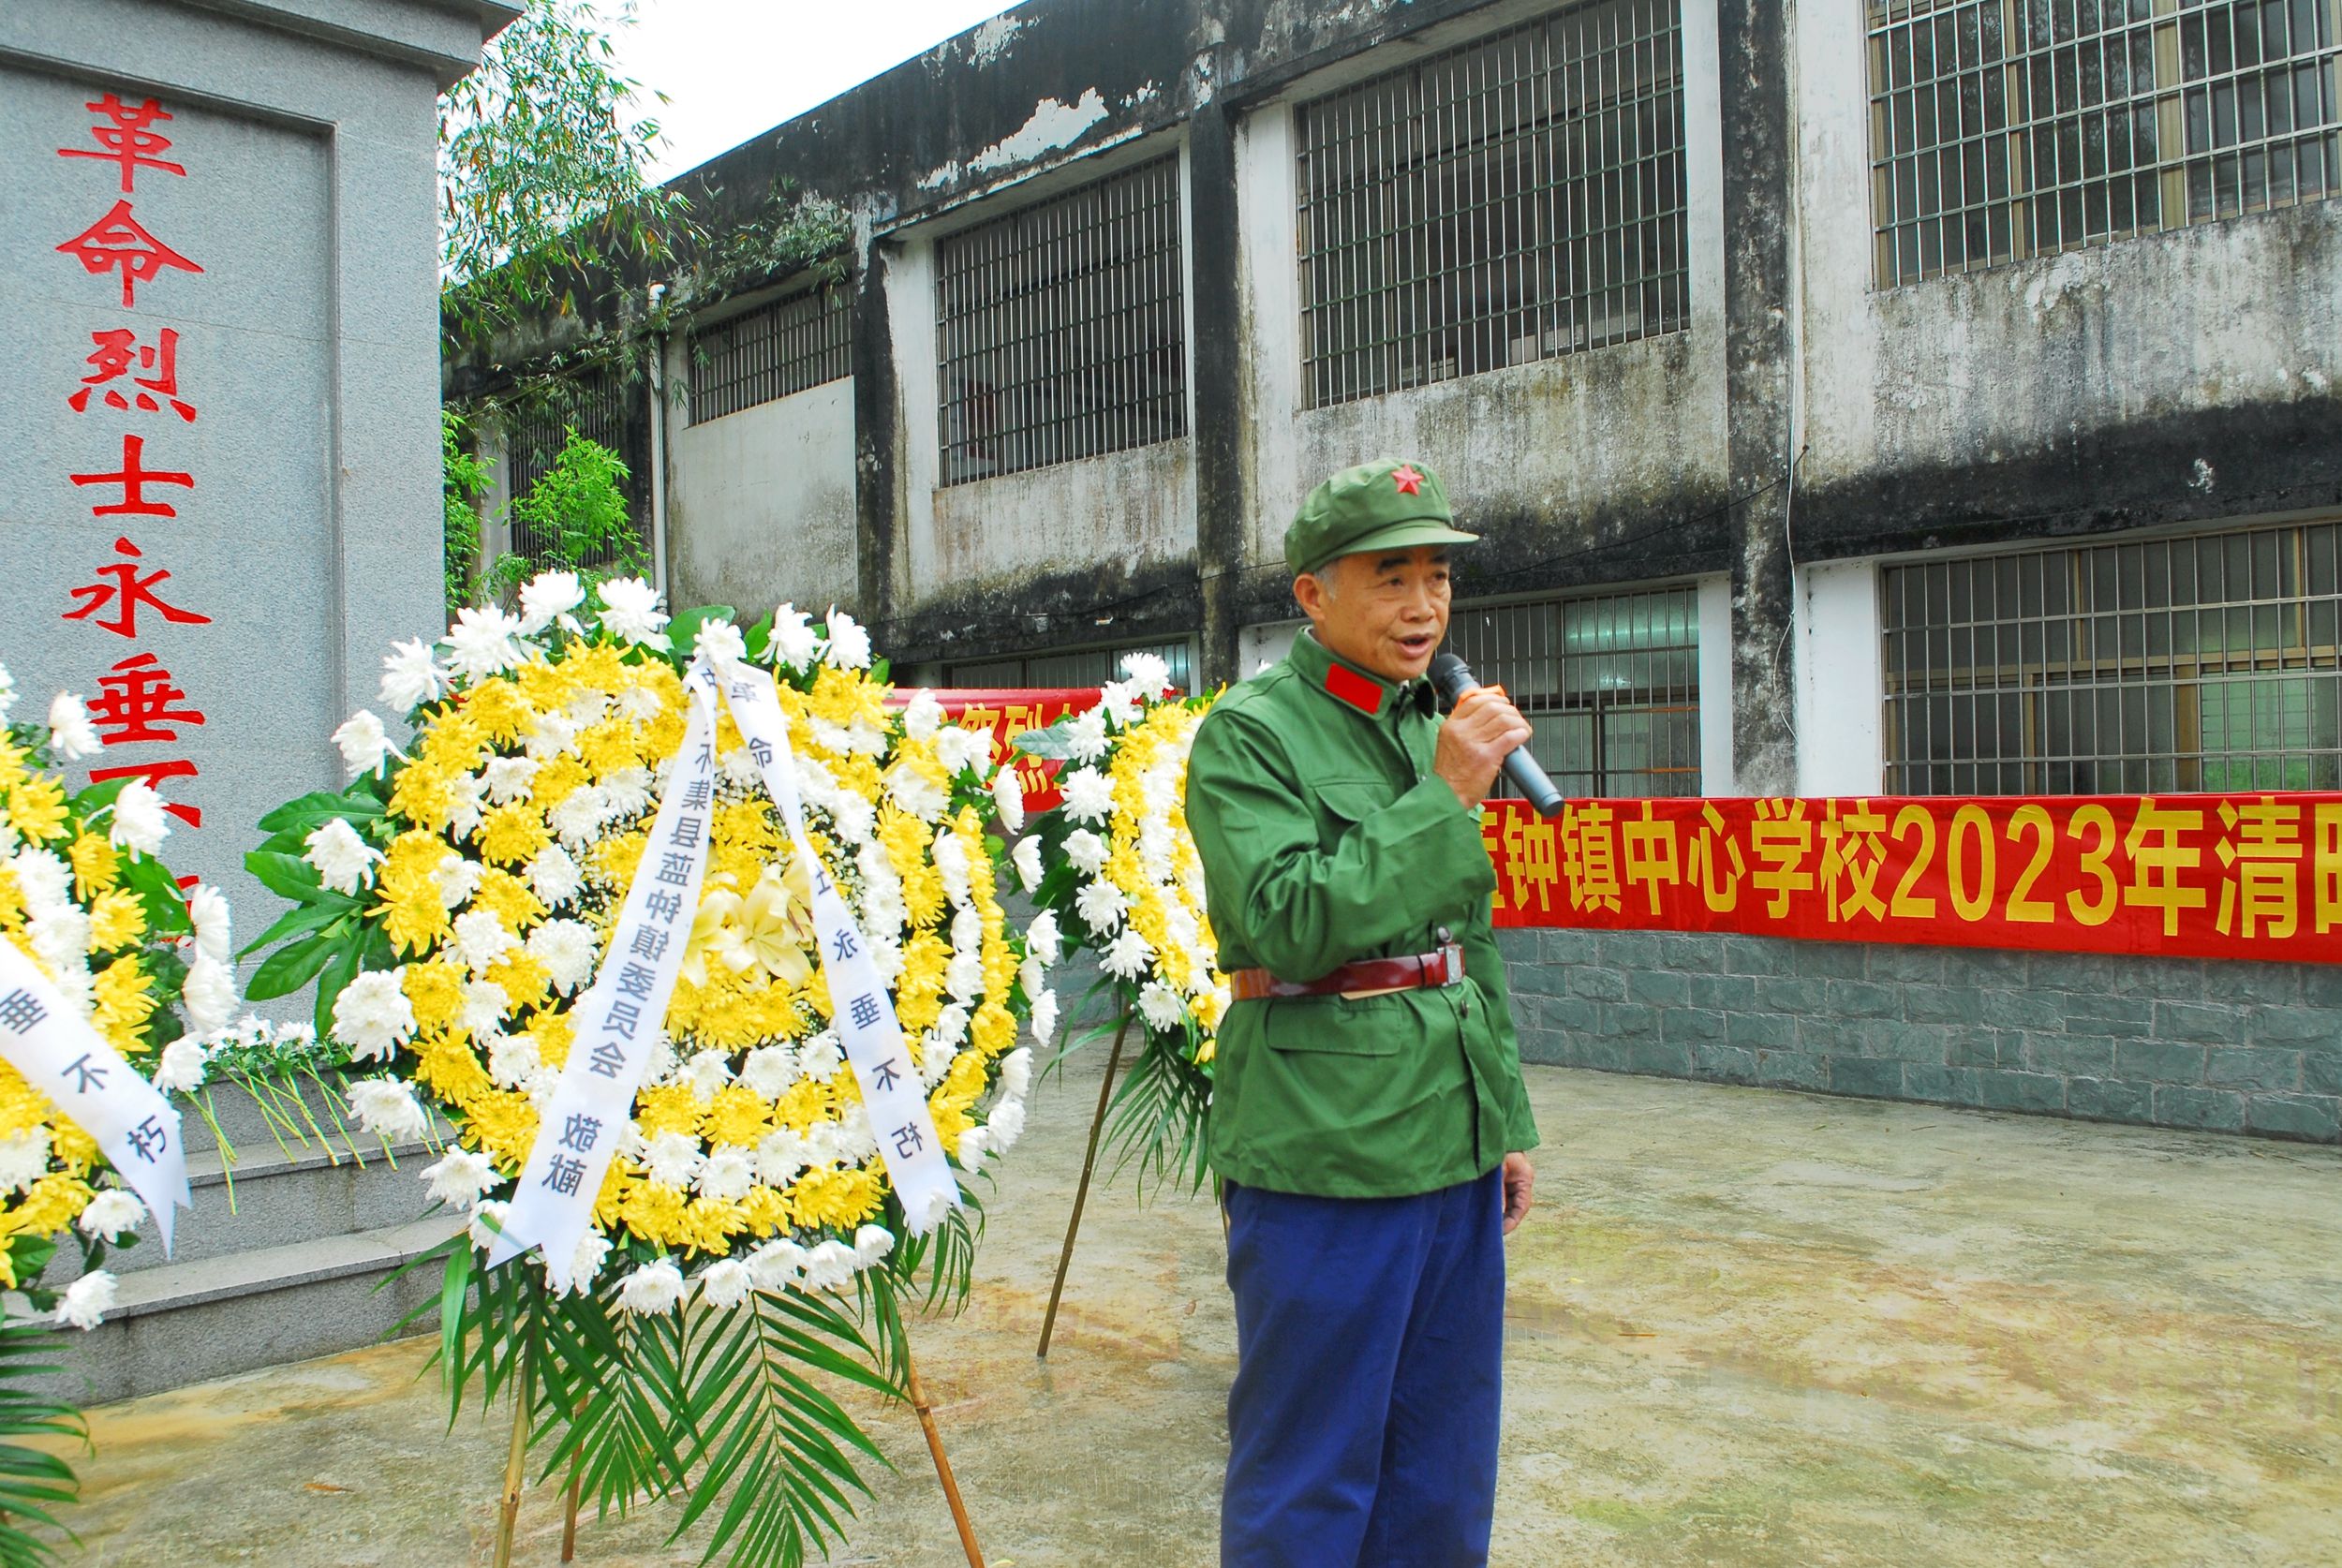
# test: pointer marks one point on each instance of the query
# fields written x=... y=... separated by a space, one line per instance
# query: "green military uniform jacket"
x=1327 y=838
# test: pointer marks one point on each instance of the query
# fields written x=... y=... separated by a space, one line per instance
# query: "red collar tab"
x=1353 y=688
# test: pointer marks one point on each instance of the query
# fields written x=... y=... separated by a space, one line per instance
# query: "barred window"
x=1508 y=201
x=798 y=340
x=2199 y=663
x=1610 y=684
x=1072 y=667
x=1061 y=328
x=2002 y=129
x=602 y=406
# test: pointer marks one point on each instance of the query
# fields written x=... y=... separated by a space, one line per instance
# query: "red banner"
x=2211 y=876
x=1008 y=712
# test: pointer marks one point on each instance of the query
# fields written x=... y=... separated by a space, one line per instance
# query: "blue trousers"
x=1370 y=1349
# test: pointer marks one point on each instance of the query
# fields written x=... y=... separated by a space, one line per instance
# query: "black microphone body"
x=1451 y=678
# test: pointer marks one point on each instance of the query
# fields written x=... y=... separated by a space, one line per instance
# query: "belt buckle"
x=1452 y=951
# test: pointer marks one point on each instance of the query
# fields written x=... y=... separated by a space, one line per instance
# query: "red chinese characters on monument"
x=132 y=371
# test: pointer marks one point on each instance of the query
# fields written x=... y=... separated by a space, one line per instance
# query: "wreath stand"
x=515 y=1471
x=1081 y=1193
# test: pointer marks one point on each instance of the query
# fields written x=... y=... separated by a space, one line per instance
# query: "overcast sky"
x=730 y=68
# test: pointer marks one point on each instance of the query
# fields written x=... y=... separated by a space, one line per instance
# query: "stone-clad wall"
x=2229 y=1047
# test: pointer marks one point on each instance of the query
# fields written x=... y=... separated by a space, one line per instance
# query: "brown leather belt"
x=1367 y=977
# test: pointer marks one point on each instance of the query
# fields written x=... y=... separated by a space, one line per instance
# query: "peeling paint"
x=990 y=41
x=1054 y=124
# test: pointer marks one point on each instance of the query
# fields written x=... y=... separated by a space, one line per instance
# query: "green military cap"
x=1383 y=504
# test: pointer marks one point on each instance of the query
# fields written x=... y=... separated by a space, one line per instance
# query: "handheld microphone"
x=1451 y=678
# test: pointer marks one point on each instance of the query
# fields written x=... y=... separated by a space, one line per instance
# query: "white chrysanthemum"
x=672 y=1158
x=769 y=1070
x=388 y=1109
x=182 y=1067
x=460 y=1176
x=410 y=676
x=481 y=938
x=593 y=1248
x=656 y=1287
x=1147 y=672
x=112 y=1211
x=553 y=734
x=88 y=1300
x=926 y=1211
x=1102 y=905
x=848 y=646
x=507 y=778
x=344 y=861
x=795 y=642
x=209 y=993
x=139 y=821
x=8 y=691
x=780 y=1154
x=457 y=880
x=554 y=876
x=963 y=977
x=828 y=1265
x=579 y=816
x=917 y=793
x=24 y=1159
x=707 y=1072
x=721 y=642
x=487 y=1222
x=951 y=866
x=1160 y=1005
x=777 y=1265
x=1026 y=857
x=726 y=1283
x=923 y=715
x=1086 y=736
x=372 y=1015
x=1017 y=1073
x=1127 y=958
x=1086 y=851
x=1006 y=1124
x=726 y=1174
x=485 y=1004
x=72 y=736
x=1119 y=703
x=207 y=909
x=468 y=804
x=512 y=1059
x=1089 y=796
x=630 y=611
x=959 y=749
x=484 y=642
x=363 y=744
x=1044 y=1017
x=820 y=1057
x=569 y=949
x=870 y=1244
x=974 y=1144
x=549 y=597
x=1042 y=938
x=1008 y=798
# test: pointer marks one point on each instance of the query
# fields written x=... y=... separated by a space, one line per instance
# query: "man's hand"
x=1520 y=1180
x=1474 y=742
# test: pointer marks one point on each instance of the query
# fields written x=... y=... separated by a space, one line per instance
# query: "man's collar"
x=1355 y=689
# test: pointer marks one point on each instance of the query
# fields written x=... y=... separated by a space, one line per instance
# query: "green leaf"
x=338 y=971
x=300 y=920
x=684 y=629
x=317 y=809
x=288 y=969
x=289 y=877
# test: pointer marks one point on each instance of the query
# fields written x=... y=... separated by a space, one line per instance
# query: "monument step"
x=269 y=1198
x=189 y=1322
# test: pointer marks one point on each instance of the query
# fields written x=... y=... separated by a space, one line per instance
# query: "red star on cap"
x=1409 y=481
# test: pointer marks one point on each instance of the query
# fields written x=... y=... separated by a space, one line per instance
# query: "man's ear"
x=1310 y=594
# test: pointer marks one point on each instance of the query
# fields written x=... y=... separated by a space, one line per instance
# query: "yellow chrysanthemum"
x=96 y=865
x=37 y=810
x=115 y=919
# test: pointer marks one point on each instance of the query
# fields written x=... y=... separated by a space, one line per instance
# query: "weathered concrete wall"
x=760 y=504
x=306 y=347
x=2232 y=1047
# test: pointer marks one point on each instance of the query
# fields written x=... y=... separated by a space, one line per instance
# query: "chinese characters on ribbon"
x=2213 y=876
x=127 y=395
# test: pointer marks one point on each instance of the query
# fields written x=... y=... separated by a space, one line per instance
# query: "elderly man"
x=1368 y=1116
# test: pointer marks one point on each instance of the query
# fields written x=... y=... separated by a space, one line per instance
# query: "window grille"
x=2206 y=662
x=603 y=407
x=1611 y=686
x=1061 y=327
x=1074 y=666
x=2002 y=129
x=796 y=342
x=1511 y=199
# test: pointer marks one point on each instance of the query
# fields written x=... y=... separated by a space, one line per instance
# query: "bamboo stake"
x=569 y=1523
x=1081 y=1193
x=515 y=1462
x=942 y=1465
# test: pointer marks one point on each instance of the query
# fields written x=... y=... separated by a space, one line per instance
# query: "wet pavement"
x=1746 y=1328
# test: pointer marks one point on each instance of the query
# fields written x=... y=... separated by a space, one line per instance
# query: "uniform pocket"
x=1336 y=1026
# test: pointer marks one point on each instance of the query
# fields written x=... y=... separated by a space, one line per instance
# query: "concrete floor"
x=1746 y=1328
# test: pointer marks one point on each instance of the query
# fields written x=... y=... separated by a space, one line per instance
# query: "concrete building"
x=1925 y=397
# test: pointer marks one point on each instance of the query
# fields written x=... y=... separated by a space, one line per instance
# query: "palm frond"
x=32 y=1481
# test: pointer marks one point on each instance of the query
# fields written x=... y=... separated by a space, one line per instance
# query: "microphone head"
x=1451 y=678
